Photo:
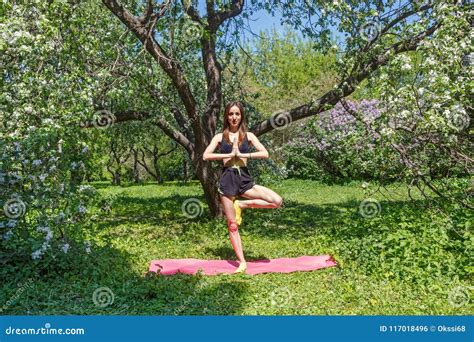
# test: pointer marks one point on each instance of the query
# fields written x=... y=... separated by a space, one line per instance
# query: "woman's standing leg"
x=232 y=226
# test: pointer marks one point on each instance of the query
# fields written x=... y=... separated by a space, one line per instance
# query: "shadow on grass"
x=170 y=207
x=293 y=221
x=226 y=253
x=104 y=283
x=296 y=220
x=104 y=184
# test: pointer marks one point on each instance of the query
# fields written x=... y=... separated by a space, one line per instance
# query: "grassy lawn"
x=404 y=260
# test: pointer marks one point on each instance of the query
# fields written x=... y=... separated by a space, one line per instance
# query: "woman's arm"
x=208 y=153
x=261 y=153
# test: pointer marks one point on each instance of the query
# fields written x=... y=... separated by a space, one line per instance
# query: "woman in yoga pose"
x=235 y=179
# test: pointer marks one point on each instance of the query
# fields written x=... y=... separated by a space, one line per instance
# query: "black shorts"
x=233 y=182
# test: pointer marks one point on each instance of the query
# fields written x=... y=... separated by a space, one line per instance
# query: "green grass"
x=407 y=260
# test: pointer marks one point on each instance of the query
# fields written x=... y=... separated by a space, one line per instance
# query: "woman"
x=235 y=179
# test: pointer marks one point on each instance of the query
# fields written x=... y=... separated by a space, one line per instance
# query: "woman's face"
x=234 y=117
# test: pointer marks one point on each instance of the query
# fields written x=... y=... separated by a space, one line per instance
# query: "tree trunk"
x=156 y=165
x=209 y=176
x=185 y=168
x=117 y=177
x=76 y=177
x=136 y=171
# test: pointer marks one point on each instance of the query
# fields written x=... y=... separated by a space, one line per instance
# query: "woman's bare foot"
x=242 y=267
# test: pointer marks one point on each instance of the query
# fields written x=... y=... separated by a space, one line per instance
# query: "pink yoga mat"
x=212 y=267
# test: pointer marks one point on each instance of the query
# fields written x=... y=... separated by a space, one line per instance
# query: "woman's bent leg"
x=261 y=197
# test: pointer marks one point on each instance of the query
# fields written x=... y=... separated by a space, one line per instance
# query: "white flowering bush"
x=47 y=92
x=428 y=113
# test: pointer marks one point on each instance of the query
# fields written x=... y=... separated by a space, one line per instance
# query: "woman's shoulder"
x=218 y=136
x=250 y=137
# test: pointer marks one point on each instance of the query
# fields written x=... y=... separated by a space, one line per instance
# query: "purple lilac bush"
x=336 y=145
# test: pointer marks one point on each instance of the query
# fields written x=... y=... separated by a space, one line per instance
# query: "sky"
x=263 y=21
x=258 y=22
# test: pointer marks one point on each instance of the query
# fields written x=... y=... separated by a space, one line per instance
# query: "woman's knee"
x=232 y=226
x=277 y=201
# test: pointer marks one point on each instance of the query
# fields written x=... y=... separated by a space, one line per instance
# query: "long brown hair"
x=243 y=122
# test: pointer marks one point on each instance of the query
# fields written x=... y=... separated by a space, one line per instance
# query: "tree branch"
x=177 y=114
x=130 y=115
x=216 y=19
x=175 y=135
x=345 y=88
x=169 y=66
x=191 y=11
x=394 y=22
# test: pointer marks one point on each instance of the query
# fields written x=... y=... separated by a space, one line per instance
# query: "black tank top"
x=225 y=147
